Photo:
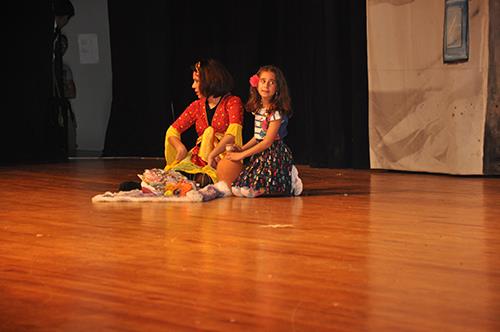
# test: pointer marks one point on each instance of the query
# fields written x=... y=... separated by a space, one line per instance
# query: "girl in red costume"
x=217 y=116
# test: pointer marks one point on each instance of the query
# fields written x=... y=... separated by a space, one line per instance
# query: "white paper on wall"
x=88 y=48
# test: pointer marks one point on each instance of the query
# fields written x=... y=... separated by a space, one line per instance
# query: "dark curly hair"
x=215 y=79
x=281 y=100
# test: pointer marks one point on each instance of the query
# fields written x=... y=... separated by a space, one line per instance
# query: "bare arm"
x=184 y=121
x=221 y=147
x=179 y=147
x=272 y=131
x=249 y=144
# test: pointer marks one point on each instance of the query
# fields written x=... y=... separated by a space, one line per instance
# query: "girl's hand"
x=213 y=161
x=232 y=148
x=235 y=156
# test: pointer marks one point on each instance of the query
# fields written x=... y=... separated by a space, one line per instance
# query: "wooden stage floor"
x=359 y=251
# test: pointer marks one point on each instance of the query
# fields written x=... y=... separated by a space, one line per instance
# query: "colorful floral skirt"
x=269 y=169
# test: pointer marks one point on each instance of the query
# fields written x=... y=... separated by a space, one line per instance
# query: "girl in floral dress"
x=269 y=170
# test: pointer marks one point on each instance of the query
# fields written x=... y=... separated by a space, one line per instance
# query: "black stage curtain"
x=320 y=45
x=26 y=132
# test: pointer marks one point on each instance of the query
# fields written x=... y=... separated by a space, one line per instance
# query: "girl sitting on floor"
x=270 y=170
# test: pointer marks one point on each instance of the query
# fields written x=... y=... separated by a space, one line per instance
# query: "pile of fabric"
x=165 y=183
x=158 y=185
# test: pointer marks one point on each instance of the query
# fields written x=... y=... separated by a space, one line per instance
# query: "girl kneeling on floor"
x=270 y=170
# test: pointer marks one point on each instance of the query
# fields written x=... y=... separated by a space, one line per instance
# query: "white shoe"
x=236 y=191
x=223 y=188
x=251 y=193
x=297 y=185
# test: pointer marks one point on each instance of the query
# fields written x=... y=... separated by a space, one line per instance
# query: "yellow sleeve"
x=170 y=151
x=207 y=143
x=235 y=129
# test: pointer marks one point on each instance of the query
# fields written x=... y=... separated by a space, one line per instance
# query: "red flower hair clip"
x=254 y=81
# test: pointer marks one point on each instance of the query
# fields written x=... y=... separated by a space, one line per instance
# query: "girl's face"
x=267 y=85
x=196 y=84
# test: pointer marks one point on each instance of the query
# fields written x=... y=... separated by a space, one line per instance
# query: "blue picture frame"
x=456 y=31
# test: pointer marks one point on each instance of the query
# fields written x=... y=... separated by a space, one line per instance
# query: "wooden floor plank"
x=359 y=251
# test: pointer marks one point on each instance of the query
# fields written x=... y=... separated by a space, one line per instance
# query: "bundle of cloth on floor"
x=158 y=185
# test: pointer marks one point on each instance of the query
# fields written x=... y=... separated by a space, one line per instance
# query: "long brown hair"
x=281 y=100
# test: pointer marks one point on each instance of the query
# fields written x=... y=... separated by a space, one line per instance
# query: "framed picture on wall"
x=456 y=31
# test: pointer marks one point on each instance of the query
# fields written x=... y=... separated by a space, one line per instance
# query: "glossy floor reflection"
x=359 y=251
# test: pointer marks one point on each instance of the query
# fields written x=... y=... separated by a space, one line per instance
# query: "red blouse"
x=229 y=111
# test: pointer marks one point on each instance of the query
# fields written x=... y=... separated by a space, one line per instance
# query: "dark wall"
x=492 y=128
x=25 y=130
x=320 y=46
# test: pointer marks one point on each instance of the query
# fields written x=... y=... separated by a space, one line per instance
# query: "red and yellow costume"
x=227 y=120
